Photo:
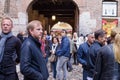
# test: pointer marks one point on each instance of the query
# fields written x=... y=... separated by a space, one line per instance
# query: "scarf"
x=3 y=39
x=54 y=46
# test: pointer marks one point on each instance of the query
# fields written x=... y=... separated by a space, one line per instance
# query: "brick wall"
x=89 y=18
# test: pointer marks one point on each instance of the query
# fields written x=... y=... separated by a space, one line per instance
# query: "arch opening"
x=63 y=11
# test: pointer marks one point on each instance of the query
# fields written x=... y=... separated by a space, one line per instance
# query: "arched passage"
x=62 y=10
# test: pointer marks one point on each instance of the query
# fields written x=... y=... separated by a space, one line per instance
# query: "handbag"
x=52 y=58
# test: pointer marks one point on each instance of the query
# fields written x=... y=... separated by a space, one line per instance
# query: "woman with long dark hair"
x=54 y=47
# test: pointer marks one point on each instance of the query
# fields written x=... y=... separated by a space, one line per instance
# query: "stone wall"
x=89 y=18
x=90 y=15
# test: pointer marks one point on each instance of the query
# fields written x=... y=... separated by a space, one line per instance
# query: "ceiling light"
x=53 y=17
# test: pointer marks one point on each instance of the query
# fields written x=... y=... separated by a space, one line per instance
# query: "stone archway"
x=47 y=23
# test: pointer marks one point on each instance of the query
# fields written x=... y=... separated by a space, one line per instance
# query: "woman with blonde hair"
x=75 y=46
x=115 y=36
x=107 y=65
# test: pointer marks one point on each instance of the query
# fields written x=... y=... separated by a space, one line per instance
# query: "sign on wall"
x=109 y=24
x=109 y=9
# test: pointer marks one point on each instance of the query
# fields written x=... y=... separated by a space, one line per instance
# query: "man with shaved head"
x=83 y=56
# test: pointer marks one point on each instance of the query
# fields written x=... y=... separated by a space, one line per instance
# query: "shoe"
x=70 y=69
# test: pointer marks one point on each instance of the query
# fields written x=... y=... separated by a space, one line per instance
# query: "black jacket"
x=93 y=52
x=33 y=65
x=10 y=56
x=20 y=37
x=105 y=67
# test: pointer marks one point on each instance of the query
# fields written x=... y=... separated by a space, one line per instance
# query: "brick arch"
x=29 y=5
x=26 y=4
x=30 y=2
x=75 y=2
x=77 y=16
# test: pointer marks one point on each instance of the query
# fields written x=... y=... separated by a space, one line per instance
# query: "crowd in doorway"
x=98 y=55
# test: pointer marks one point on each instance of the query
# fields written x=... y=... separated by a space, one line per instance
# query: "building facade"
x=89 y=19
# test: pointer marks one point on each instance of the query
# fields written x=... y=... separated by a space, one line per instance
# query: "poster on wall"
x=109 y=24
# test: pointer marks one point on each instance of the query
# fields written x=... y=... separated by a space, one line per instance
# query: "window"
x=109 y=8
x=109 y=0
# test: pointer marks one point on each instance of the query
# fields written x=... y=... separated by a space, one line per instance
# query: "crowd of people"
x=99 y=58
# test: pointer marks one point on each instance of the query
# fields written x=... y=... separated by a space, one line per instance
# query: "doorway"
x=49 y=12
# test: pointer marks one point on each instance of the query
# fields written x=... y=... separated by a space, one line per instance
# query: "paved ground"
x=75 y=74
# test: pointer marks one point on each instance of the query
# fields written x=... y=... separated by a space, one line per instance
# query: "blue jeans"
x=54 y=64
x=85 y=74
x=62 y=66
x=118 y=71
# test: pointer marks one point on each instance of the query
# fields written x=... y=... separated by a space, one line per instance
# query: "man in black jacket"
x=100 y=40
x=33 y=65
x=9 y=51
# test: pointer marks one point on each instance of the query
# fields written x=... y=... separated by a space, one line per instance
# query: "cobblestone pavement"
x=75 y=74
